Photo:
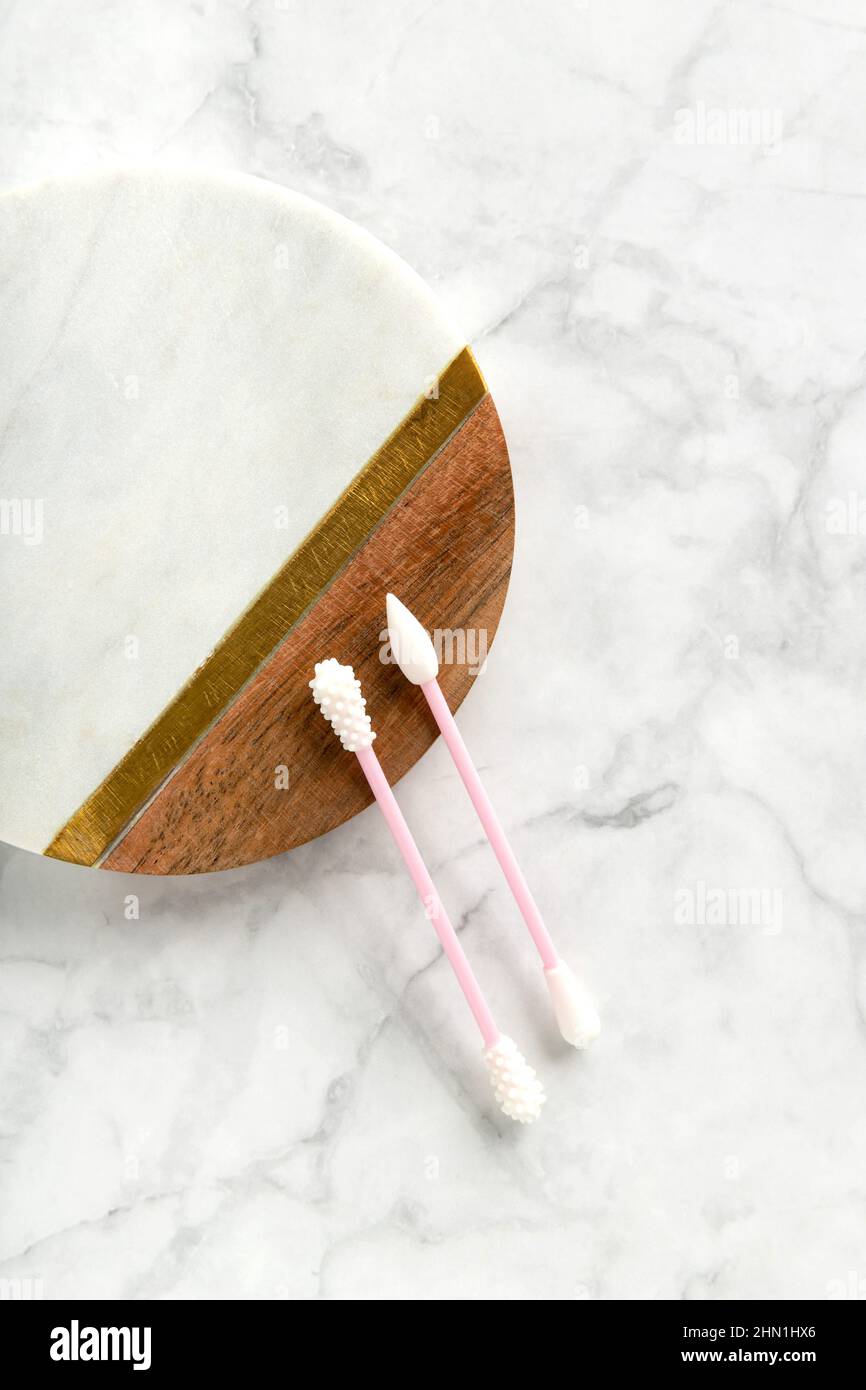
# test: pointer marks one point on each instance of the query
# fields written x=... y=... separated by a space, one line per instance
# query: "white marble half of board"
x=194 y=367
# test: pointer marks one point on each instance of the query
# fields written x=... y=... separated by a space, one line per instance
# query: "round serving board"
x=230 y=422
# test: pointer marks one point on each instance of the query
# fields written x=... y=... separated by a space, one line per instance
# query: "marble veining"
x=651 y=221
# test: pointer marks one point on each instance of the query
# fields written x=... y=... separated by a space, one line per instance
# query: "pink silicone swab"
x=338 y=694
x=415 y=654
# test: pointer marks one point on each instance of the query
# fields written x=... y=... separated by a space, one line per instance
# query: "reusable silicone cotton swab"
x=415 y=654
x=337 y=692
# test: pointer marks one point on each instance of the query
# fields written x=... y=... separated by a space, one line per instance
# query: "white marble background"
x=266 y=1086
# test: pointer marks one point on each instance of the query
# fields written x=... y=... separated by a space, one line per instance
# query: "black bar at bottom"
x=154 y=1339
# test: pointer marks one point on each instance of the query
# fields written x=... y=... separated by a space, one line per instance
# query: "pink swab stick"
x=337 y=692
x=415 y=654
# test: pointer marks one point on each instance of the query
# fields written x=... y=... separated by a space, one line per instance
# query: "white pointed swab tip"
x=517 y=1090
x=411 y=647
x=575 y=1011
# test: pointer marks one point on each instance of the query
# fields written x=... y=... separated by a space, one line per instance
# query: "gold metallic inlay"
x=268 y=620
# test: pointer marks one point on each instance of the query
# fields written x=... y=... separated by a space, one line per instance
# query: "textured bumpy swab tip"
x=338 y=695
x=518 y=1091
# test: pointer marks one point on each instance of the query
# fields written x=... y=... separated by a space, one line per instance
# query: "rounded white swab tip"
x=575 y=1011
x=338 y=695
x=518 y=1091
x=411 y=647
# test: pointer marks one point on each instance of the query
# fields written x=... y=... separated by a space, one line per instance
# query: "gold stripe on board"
x=318 y=559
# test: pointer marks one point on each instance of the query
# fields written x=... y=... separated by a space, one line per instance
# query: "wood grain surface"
x=269 y=775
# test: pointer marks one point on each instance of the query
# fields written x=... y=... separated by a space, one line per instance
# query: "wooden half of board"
x=269 y=775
